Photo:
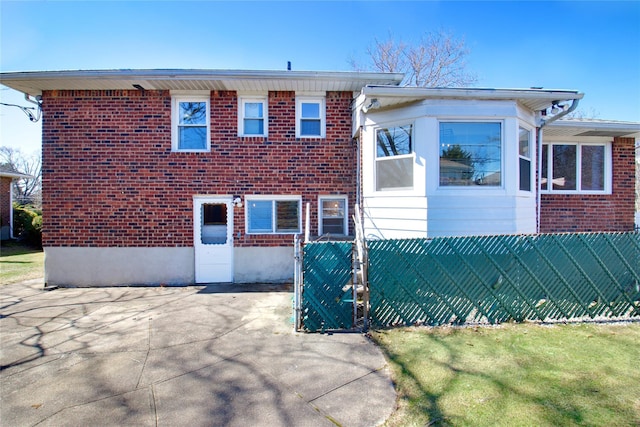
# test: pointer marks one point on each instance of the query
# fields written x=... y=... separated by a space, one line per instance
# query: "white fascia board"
x=471 y=93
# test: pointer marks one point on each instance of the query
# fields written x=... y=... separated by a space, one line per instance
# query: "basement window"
x=333 y=216
x=273 y=214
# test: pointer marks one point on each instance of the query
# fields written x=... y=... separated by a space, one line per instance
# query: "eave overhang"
x=35 y=82
x=592 y=127
x=534 y=99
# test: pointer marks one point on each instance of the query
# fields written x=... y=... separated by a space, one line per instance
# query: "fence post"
x=297 y=282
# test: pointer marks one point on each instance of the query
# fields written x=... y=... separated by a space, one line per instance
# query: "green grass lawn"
x=516 y=375
x=18 y=263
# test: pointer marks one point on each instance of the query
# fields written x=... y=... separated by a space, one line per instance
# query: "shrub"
x=27 y=225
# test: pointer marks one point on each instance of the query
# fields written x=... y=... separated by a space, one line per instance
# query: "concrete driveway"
x=180 y=356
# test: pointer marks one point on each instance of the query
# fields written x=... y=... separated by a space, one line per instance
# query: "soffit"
x=34 y=83
x=533 y=99
x=592 y=127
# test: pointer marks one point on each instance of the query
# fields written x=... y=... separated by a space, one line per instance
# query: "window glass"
x=545 y=167
x=394 y=141
x=192 y=138
x=260 y=216
x=253 y=118
x=333 y=216
x=193 y=113
x=564 y=167
x=592 y=167
x=310 y=110
x=287 y=216
x=470 y=154
x=310 y=127
x=213 y=230
x=394 y=174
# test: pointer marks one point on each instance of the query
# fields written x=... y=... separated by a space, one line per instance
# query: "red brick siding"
x=111 y=179
x=5 y=201
x=581 y=213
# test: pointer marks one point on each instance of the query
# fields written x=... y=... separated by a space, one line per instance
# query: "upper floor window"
x=576 y=167
x=190 y=123
x=310 y=117
x=471 y=154
x=524 y=156
x=273 y=214
x=253 y=116
x=394 y=158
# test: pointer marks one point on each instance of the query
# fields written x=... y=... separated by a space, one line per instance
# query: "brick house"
x=183 y=176
x=7 y=176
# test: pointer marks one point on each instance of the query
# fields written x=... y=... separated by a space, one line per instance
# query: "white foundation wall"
x=263 y=265
x=94 y=267
x=89 y=266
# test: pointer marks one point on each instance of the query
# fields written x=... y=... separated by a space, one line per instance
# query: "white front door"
x=213 y=239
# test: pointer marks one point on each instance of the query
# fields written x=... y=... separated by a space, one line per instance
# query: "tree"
x=436 y=60
x=26 y=190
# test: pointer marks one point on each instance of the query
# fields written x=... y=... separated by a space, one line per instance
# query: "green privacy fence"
x=455 y=280
x=327 y=292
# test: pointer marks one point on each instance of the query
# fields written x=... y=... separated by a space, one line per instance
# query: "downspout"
x=539 y=133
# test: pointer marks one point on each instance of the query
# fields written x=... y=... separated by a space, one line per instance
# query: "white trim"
x=321 y=100
x=176 y=99
x=346 y=212
x=608 y=168
x=273 y=199
x=531 y=158
x=242 y=100
x=411 y=154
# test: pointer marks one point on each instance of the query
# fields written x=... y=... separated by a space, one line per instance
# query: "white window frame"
x=274 y=219
x=608 y=167
x=345 y=221
x=321 y=101
x=475 y=188
x=377 y=159
x=242 y=100
x=530 y=159
x=176 y=99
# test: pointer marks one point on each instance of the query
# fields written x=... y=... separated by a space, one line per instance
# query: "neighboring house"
x=183 y=176
x=7 y=176
x=457 y=162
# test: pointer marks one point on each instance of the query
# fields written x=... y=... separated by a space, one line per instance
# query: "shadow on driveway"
x=223 y=355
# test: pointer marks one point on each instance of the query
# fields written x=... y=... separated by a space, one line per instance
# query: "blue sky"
x=590 y=46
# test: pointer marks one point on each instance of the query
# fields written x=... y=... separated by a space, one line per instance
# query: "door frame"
x=226 y=248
